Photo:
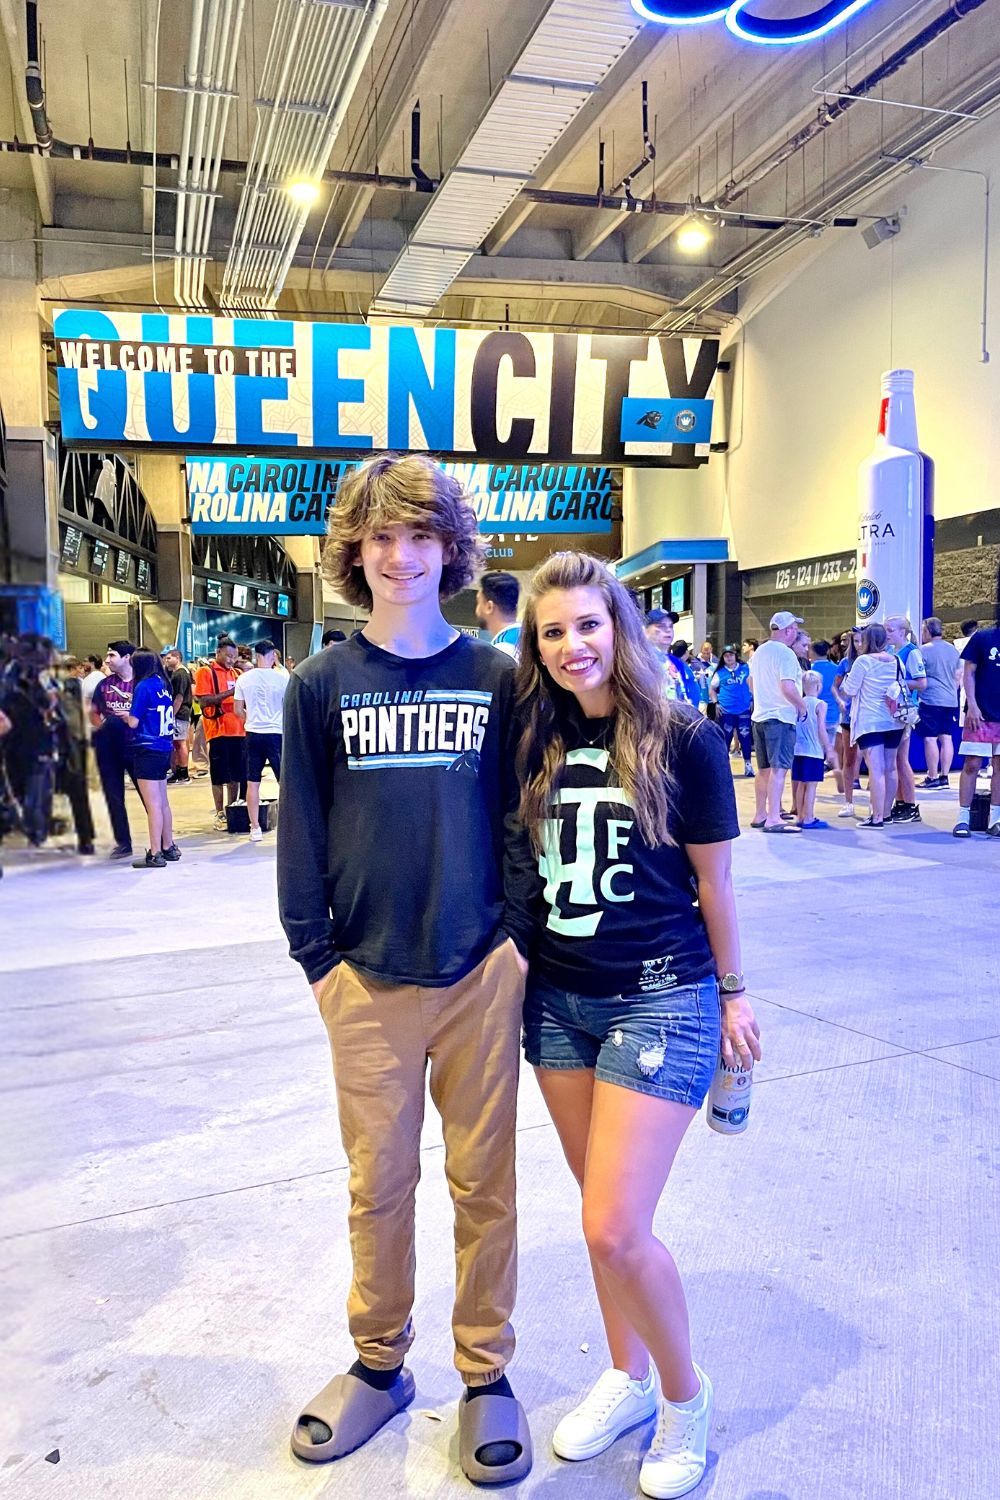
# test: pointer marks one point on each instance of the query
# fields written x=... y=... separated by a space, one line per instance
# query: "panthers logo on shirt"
x=419 y=729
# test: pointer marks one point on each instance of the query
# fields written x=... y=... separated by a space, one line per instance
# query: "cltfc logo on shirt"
x=869 y=598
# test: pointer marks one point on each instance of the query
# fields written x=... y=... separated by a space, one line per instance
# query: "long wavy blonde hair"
x=645 y=724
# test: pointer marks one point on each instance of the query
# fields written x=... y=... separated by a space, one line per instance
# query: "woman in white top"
x=871 y=684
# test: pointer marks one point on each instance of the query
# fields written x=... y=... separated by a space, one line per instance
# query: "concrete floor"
x=173 y=1256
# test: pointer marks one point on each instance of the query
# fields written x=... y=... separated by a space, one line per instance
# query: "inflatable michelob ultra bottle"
x=895 y=562
x=728 y=1109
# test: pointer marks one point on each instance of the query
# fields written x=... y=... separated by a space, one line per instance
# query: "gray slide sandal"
x=353 y=1411
x=493 y=1419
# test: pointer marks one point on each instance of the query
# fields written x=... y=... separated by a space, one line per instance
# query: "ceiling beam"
x=17 y=52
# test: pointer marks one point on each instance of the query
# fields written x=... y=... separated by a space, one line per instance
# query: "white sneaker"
x=616 y=1404
x=678 y=1453
x=220 y=823
x=256 y=835
x=847 y=812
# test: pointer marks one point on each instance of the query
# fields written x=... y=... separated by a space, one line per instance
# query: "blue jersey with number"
x=153 y=706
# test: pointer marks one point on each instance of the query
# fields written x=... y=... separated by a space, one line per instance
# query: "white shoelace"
x=605 y=1396
x=675 y=1431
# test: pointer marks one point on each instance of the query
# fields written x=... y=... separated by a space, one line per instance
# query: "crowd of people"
x=846 y=708
x=143 y=718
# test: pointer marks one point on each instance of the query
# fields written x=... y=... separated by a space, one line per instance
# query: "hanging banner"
x=282 y=497
x=347 y=389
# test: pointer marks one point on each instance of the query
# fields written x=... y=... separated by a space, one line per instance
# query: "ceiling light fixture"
x=692 y=238
x=304 y=193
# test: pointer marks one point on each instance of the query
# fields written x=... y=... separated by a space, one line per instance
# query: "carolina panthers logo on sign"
x=869 y=598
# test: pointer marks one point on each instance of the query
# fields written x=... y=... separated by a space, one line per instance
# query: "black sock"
x=495 y=1455
x=379 y=1380
x=499 y=1387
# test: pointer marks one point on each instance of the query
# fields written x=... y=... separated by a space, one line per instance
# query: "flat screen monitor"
x=213 y=591
x=71 y=545
x=123 y=567
x=99 y=557
x=656 y=598
x=284 y=605
x=239 y=596
x=143 y=575
x=677 y=595
x=265 y=601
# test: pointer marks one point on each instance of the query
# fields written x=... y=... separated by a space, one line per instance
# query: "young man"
x=899 y=632
x=981 y=734
x=258 y=701
x=496 y=610
x=819 y=661
x=112 y=740
x=939 y=702
x=179 y=679
x=406 y=888
x=659 y=629
x=214 y=687
x=778 y=705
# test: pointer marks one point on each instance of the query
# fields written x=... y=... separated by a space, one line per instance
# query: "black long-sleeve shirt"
x=399 y=847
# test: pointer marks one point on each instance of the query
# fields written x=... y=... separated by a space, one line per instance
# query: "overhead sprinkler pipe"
x=33 y=85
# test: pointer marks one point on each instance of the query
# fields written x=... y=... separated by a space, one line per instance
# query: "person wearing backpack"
x=215 y=687
x=874 y=686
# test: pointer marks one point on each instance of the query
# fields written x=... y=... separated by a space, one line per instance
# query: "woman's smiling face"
x=576 y=642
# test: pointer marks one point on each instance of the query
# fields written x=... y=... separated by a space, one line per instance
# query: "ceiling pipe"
x=545 y=197
x=33 y=85
x=828 y=114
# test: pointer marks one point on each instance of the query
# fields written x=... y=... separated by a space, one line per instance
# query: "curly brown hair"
x=402 y=491
x=646 y=723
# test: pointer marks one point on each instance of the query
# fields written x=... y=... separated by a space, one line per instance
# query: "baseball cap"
x=734 y=649
x=166 y=650
x=784 y=618
x=657 y=616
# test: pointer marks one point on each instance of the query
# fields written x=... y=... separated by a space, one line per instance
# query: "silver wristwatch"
x=731 y=984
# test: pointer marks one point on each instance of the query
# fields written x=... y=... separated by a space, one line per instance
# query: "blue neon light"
x=763 y=30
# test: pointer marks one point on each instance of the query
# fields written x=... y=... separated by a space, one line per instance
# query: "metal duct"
x=315 y=57
x=571 y=51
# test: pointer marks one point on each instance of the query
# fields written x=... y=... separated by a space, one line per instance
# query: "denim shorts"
x=665 y=1044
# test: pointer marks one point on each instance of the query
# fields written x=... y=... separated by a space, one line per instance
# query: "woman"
x=730 y=689
x=850 y=645
x=871 y=684
x=152 y=719
x=629 y=800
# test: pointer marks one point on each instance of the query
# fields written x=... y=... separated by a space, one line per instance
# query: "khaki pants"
x=382 y=1037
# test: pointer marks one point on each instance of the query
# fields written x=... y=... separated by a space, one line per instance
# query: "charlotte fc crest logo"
x=869 y=598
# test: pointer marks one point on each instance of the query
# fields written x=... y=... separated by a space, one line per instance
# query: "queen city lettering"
x=592 y=874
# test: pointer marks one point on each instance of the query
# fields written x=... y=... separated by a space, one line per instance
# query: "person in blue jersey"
x=903 y=645
x=680 y=655
x=406 y=888
x=496 y=610
x=634 y=980
x=730 y=689
x=151 y=719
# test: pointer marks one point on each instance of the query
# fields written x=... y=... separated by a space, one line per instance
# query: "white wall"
x=812 y=357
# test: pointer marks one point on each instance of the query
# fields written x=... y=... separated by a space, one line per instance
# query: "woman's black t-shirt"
x=617 y=916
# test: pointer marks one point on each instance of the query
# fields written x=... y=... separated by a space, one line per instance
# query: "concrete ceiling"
x=720 y=111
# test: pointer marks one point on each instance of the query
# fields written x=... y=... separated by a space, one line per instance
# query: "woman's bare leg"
x=633 y=1142
x=568 y=1095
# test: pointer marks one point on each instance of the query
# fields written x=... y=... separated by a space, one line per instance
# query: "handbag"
x=904 y=707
